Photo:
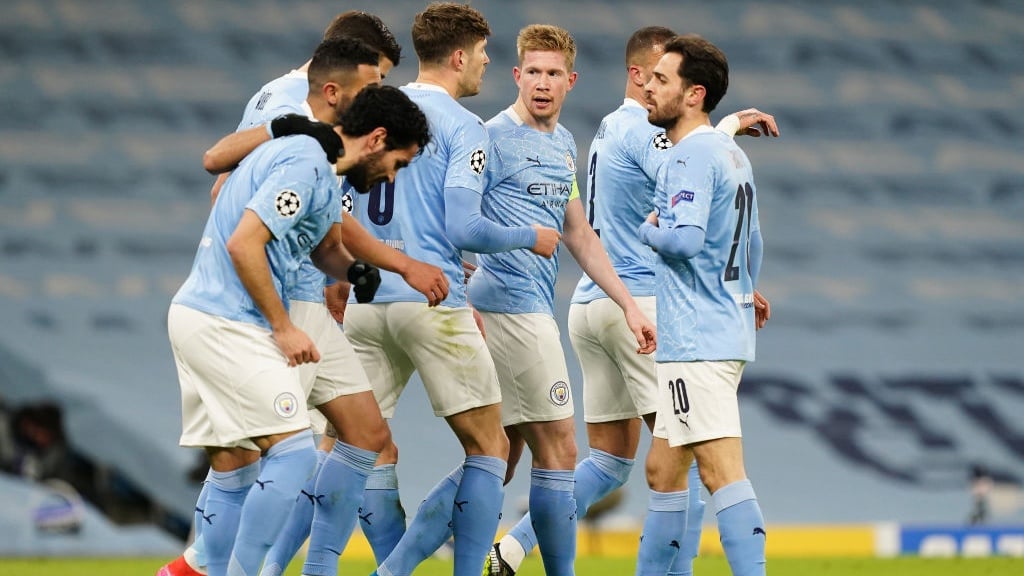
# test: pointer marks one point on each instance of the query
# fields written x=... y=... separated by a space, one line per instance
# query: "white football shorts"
x=527 y=352
x=235 y=382
x=618 y=383
x=697 y=401
x=442 y=343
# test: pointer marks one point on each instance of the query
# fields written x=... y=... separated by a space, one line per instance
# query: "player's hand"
x=755 y=123
x=762 y=310
x=652 y=218
x=479 y=322
x=295 y=345
x=644 y=330
x=365 y=279
x=467 y=269
x=428 y=280
x=336 y=300
x=547 y=241
x=291 y=124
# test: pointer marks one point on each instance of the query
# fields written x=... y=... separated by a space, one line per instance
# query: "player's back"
x=624 y=159
x=531 y=176
x=281 y=181
x=283 y=95
x=455 y=158
x=705 y=303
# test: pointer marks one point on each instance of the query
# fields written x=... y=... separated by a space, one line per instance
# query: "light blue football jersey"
x=409 y=215
x=624 y=160
x=706 y=303
x=290 y=185
x=531 y=176
x=287 y=95
x=284 y=95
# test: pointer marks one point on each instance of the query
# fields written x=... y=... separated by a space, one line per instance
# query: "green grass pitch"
x=712 y=566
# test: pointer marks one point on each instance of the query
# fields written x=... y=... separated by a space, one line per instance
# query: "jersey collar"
x=698 y=130
x=513 y=115
x=631 y=103
x=427 y=87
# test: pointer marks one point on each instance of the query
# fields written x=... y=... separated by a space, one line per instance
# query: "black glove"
x=365 y=279
x=291 y=124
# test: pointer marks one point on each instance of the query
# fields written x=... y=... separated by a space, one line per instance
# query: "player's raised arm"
x=749 y=122
x=225 y=155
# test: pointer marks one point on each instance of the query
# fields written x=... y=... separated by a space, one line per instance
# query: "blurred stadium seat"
x=892 y=210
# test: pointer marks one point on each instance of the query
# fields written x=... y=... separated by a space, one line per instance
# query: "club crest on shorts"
x=287 y=203
x=478 y=161
x=286 y=405
x=559 y=393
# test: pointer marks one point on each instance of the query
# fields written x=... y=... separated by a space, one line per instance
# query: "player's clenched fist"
x=296 y=345
x=291 y=124
x=428 y=280
x=547 y=241
x=365 y=279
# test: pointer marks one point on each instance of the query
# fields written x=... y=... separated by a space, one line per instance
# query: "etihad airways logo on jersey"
x=549 y=188
x=682 y=196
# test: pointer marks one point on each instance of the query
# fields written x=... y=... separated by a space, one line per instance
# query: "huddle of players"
x=432 y=180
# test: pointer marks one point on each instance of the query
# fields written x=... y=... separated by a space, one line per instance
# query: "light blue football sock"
x=741 y=526
x=286 y=467
x=683 y=564
x=663 y=532
x=477 y=511
x=382 y=517
x=198 y=546
x=596 y=476
x=553 y=512
x=296 y=529
x=225 y=495
x=339 y=494
x=430 y=528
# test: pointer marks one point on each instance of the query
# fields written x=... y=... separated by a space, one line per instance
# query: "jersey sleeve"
x=650 y=150
x=347 y=199
x=470 y=151
x=286 y=195
x=493 y=172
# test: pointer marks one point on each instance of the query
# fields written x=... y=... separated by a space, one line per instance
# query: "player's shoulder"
x=290 y=89
x=709 y=149
x=292 y=79
x=704 y=140
x=564 y=135
x=302 y=153
x=628 y=127
x=439 y=106
x=505 y=131
x=459 y=123
x=502 y=122
x=464 y=116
